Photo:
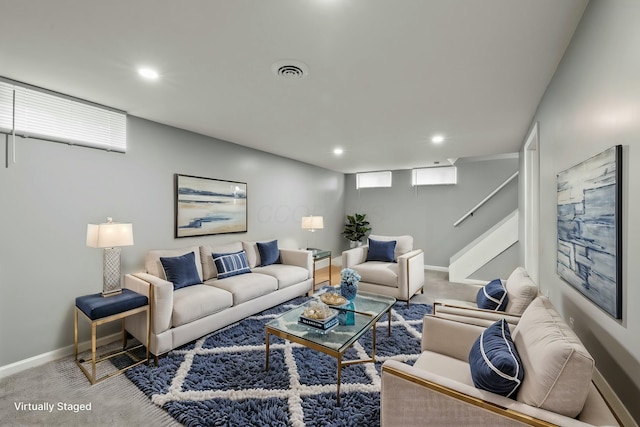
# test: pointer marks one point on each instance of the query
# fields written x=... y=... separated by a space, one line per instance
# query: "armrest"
x=449 y=337
x=300 y=258
x=450 y=310
x=354 y=256
x=411 y=271
x=412 y=396
x=160 y=294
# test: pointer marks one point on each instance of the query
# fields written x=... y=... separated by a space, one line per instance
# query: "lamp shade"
x=109 y=235
x=312 y=223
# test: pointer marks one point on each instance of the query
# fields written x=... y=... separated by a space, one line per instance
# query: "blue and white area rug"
x=220 y=379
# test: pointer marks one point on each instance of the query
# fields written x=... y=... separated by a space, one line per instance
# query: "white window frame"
x=380 y=179
x=437 y=175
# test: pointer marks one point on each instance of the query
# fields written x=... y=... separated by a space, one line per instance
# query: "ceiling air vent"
x=290 y=69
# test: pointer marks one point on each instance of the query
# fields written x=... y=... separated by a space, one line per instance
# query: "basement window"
x=373 y=179
x=33 y=113
x=442 y=175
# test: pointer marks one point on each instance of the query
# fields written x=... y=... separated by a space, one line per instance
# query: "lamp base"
x=111 y=293
x=111 y=273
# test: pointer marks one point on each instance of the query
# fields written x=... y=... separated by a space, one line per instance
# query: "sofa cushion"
x=494 y=361
x=208 y=266
x=549 y=348
x=404 y=243
x=195 y=302
x=253 y=255
x=246 y=287
x=492 y=296
x=381 y=250
x=446 y=366
x=181 y=270
x=286 y=275
x=521 y=291
x=269 y=253
x=380 y=273
x=231 y=264
x=154 y=267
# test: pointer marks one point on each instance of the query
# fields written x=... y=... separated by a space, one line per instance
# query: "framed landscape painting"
x=209 y=206
x=589 y=229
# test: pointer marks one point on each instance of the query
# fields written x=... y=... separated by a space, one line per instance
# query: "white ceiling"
x=384 y=76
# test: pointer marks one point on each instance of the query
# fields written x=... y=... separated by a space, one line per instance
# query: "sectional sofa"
x=180 y=314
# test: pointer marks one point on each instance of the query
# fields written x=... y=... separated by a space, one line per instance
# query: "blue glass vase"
x=347 y=317
x=349 y=290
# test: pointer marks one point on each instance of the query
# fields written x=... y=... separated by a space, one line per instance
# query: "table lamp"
x=110 y=236
x=312 y=223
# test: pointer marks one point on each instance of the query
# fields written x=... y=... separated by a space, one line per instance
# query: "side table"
x=99 y=310
x=319 y=255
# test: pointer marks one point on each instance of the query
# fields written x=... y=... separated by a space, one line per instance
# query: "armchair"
x=400 y=277
x=438 y=390
x=520 y=292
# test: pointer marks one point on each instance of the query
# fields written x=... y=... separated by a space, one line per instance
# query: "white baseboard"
x=465 y=281
x=436 y=268
x=41 y=359
x=473 y=282
x=613 y=401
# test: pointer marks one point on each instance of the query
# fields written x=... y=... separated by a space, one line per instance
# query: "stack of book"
x=322 y=324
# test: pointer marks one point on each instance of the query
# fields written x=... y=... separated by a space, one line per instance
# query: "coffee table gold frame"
x=337 y=353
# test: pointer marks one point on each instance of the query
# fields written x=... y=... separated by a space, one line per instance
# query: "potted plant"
x=356 y=228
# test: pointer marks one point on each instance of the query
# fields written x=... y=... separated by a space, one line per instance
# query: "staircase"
x=489 y=245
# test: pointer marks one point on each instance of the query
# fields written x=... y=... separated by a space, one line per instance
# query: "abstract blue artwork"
x=209 y=206
x=589 y=229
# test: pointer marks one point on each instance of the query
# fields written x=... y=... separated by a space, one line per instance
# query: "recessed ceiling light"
x=437 y=139
x=148 y=73
x=338 y=151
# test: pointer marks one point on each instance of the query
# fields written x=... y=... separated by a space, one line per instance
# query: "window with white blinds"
x=42 y=115
x=442 y=175
x=373 y=179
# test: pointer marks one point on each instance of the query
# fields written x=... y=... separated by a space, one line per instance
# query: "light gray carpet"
x=116 y=401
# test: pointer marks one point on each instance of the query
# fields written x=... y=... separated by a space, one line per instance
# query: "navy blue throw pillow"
x=381 y=251
x=269 y=253
x=493 y=296
x=232 y=264
x=494 y=361
x=181 y=270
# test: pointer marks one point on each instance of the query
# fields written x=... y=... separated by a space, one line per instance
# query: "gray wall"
x=53 y=191
x=593 y=103
x=428 y=212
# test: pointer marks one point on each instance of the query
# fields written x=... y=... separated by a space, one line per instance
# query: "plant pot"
x=354 y=244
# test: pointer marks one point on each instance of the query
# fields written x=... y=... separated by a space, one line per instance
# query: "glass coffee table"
x=355 y=319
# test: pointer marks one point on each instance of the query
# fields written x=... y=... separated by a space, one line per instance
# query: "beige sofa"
x=438 y=390
x=400 y=279
x=183 y=315
x=520 y=291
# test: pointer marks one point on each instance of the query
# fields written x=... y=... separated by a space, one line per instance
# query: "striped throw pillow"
x=493 y=296
x=494 y=361
x=231 y=264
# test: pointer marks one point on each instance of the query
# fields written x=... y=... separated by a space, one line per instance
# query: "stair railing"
x=486 y=199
